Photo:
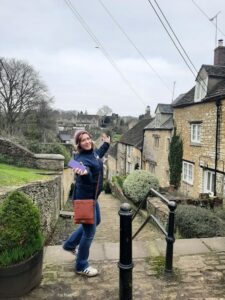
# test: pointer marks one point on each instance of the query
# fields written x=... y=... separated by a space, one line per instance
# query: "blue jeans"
x=83 y=236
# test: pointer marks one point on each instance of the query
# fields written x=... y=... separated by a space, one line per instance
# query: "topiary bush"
x=196 y=222
x=137 y=185
x=20 y=233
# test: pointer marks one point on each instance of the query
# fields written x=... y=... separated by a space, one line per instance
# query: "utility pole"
x=174 y=83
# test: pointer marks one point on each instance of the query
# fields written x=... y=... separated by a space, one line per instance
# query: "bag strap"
x=96 y=192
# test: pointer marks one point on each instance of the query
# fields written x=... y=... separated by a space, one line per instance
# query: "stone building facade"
x=199 y=116
x=200 y=157
x=157 y=137
x=129 y=149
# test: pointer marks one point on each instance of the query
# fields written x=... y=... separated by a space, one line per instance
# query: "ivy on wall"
x=175 y=160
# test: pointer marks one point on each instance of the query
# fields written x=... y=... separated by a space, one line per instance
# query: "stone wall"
x=154 y=205
x=24 y=157
x=158 y=156
x=67 y=180
x=158 y=209
x=46 y=194
x=202 y=154
x=49 y=195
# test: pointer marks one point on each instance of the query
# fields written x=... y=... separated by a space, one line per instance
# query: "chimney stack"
x=219 y=54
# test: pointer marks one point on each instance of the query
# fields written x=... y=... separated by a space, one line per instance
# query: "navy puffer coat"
x=85 y=185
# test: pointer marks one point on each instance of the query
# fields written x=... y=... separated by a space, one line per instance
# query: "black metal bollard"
x=170 y=239
x=125 y=261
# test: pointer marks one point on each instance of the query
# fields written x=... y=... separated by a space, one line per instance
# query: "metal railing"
x=169 y=234
x=125 y=263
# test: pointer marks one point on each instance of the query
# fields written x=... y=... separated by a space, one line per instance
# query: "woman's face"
x=85 y=142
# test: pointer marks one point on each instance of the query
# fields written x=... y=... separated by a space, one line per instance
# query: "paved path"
x=199 y=266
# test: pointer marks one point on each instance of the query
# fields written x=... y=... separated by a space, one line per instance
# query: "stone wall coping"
x=49 y=156
x=17 y=145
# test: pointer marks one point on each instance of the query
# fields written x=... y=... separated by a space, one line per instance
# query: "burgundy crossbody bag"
x=84 y=209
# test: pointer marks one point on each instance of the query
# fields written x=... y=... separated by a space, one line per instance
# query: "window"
x=168 y=144
x=196 y=133
x=128 y=151
x=188 y=172
x=201 y=89
x=209 y=178
x=156 y=141
x=152 y=168
x=128 y=168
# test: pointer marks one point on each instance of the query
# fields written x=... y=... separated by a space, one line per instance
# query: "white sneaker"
x=89 y=272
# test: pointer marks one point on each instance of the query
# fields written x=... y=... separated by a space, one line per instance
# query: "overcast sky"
x=48 y=36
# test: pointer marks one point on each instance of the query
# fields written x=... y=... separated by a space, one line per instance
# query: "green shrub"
x=106 y=187
x=57 y=148
x=5 y=159
x=196 y=222
x=119 y=179
x=20 y=234
x=35 y=146
x=220 y=213
x=137 y=185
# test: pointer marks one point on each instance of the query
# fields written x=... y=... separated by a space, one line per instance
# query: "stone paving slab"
x=98 y=252
x=215 y=244
x=185 y=246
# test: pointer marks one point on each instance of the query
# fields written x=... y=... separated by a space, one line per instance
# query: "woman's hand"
x=80 y=172
x=106 y=138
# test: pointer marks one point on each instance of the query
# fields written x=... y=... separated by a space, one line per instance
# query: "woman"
x=87 y=182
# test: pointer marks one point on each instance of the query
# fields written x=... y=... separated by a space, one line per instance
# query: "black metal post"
x=125 y=261
x=170 y=239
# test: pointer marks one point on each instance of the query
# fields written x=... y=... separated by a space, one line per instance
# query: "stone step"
x=98 y=252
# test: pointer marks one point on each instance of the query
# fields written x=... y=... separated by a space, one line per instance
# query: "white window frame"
x=196 y=133
x=128 y=151
x=128 y=167
x=200 y=89
x=188 y=172
x=209 y=177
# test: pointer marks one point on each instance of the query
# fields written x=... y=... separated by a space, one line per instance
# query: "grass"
x=158 y=264
x=11 y=175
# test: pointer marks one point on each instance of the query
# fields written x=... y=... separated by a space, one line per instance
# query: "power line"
x=100 y=46
x=133 y=44
x=171 y=38
x=176 y=36
x=194 y=72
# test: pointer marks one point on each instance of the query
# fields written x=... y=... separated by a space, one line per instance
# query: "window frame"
x=156 y=141
x=209 y=178
x=201 y=89
x=196 y=134
x=187 y=170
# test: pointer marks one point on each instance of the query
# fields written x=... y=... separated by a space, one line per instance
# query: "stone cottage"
x=157 y=136
x=199 y=116
x=127 y=154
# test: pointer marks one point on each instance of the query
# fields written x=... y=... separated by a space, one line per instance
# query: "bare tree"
x=21 y=90
x=104 y=111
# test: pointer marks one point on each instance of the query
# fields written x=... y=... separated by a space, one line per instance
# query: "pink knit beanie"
x=78 y=134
